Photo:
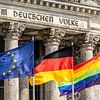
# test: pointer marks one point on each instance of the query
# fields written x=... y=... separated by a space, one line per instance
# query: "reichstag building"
x=52 y=24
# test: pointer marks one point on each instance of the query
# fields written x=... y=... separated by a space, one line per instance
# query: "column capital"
x=87 y=40
x=12 y=29
x=76 y=96
x=52 y=36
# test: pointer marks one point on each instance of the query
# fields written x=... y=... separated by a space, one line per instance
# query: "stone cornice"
x=71 y=7
x=90 y=10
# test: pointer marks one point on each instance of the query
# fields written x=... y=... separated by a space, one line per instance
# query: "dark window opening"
x=2 y=81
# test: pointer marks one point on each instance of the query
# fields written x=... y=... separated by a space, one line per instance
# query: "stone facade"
x=55 y=24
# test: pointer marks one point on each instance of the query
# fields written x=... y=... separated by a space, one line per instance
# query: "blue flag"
x=18 y=62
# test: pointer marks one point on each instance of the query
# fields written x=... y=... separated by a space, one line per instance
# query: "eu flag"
x=17 y=62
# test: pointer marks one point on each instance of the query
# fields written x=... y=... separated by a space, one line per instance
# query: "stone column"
x=12 y=33
x=24 y=89
x=52 y=40
x=35 y=1
x=98 y=87
x=87 y=53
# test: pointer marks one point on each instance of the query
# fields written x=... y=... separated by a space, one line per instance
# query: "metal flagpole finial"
x=71 y=43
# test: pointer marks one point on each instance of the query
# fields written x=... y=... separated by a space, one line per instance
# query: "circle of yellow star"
x=13 y=66
x=8 y=52
x=4 y=73
x=12 y=55
x=9 y=71
x=14 y=60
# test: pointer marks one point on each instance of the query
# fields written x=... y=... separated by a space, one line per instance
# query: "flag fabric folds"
x=18 y=62
x=86 y=74
x=55 y=66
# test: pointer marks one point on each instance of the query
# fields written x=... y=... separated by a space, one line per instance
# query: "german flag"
x=55 y=66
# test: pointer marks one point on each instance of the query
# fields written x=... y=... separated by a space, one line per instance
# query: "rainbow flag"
x=54 y=66
x=86 y=74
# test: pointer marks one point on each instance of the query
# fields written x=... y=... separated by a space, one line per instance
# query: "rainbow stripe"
x=85 y=75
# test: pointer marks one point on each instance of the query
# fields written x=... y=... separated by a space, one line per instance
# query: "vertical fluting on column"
x=87 y=47
x=29 y=1
x=12 y=33
x=23 y=89
x=52 y=38
x=35 y=1
x=97 y=88
x=22 y=0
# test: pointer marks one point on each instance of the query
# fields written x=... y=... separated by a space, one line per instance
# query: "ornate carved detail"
x=87 y=40
x=65 y=43
x=52 y=35
x=77 y=54
x=76 y=96
x=12 y=29
x=84 y=41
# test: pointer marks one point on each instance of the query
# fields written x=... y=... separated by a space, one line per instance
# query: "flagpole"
x=72 y=76
x=33 y=88
x=33 y=78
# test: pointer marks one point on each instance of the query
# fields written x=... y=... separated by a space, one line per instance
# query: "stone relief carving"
x=87 y=39
x=52 y=35
x=76 y=96
x=16 y=29
x=13 y=29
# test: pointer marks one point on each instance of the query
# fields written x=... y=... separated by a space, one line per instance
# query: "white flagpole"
x=72 y=86
x=72 y=79
x=33 y=79
x=33 y=88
